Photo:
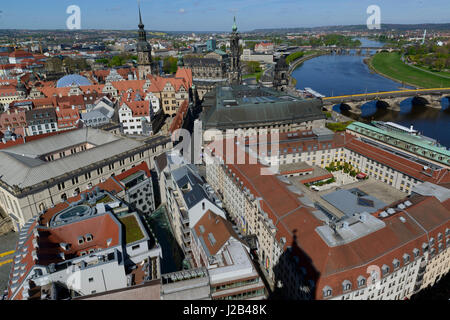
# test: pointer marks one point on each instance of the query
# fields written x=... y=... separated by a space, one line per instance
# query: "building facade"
x=39 y=174
x=294 y=237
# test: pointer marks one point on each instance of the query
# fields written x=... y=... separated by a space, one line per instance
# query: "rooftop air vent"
x=401 y=206
x=402 y=219
x=390 y=211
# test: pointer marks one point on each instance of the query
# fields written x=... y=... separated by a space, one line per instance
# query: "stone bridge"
x=358 y=50
x=389 y=100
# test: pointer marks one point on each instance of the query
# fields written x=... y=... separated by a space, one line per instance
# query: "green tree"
x=170 y=65
x=253 y=66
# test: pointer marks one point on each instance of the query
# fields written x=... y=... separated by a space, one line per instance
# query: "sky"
x=216 y=15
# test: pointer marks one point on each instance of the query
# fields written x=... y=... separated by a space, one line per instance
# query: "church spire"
x=141 y=25
x=234 y=25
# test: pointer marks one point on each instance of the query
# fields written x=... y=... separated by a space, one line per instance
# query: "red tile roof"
x=139 y=108
x=177 y=121
x=332 y=265
x=219 y=227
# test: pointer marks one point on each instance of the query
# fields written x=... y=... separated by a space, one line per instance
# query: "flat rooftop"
x=240 y=106
x=377 y=189
x=354 y=200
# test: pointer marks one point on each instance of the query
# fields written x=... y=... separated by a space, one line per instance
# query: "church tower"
x=234 y=74
x=144 y=51
x=281 y=74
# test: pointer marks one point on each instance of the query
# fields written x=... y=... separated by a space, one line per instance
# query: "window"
x=361 y=281
x=385 y=270
x=211 y=239
x=327 y=292
x=406 y=258
x=80 y=240
x=135 y=247
x=396 y=263
x=431 y=242
x=346 y=285
x=89 y=237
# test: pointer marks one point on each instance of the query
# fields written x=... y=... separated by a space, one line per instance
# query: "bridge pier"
x=434 y=101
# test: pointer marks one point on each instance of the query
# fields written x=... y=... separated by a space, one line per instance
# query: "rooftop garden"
x=338 y=126
x=106 y=199
x=133 y=231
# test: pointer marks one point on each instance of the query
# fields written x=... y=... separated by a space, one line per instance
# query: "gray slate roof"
x=22 y=165
x=240 y=106
x=188 y=175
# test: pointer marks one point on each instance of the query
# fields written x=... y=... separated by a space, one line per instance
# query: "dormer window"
x=385 y=270
x=346 y=285
x=327 y=292
x=416 y=253
x=431 y=242
x=361 y=281
x=396 y=263
x=406 y=258
x=80 y=240
x=89 y=237
x=440 y=236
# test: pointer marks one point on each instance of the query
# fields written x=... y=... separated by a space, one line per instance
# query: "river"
x=334 y=75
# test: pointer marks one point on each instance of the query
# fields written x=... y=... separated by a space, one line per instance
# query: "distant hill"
x=384 y=27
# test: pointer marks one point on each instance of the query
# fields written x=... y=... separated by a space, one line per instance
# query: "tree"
x=253 y=66
x=170 y=65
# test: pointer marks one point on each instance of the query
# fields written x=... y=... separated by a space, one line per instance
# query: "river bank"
x=368 y=62
x=390 y=65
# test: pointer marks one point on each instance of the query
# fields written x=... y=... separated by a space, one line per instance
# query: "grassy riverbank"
x=391 y=66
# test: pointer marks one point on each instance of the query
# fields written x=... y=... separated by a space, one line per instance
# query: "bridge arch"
x=341 y=107
x=445 y=103
x=418 y=100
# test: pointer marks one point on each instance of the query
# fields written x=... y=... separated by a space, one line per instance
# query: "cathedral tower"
x=235 y=65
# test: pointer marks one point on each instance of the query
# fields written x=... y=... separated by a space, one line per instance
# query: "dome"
x=70 y=79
